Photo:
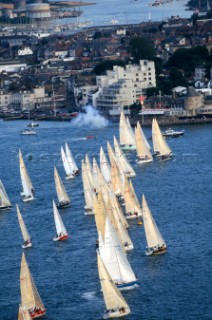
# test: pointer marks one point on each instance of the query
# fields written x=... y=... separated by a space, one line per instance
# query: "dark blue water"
x=173 y=286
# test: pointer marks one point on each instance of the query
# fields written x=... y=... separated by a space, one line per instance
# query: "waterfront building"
x=122 y=87
x=192 y=101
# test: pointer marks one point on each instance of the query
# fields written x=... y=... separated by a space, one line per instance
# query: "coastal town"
x=144 y=69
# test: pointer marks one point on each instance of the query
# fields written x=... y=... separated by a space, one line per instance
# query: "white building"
x=122 y=87
x=5 y=101
x=25 y=51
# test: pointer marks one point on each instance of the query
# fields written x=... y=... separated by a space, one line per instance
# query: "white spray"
x=91 y=118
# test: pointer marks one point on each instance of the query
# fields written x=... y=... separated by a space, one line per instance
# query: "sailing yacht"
x=68 y=170
x=116 y=306
x=71 y=161
x=23 y=314
x=142 y=147
x=132 y=207
x=4 y=200
x=160 y=146
x=88 y=191
x=28 y=191
x=62 y=233
x=126 y=135
x=30 y=298
x=122 y=160
x=24 y=231
x=155 y=241
x=63 y=198
x=111 y=250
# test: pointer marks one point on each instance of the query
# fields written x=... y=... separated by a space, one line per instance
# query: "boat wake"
x=89 y=295
x=90 y=119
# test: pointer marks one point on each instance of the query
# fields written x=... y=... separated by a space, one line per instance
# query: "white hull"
x=115 y=314
x=128 y=147
x=25 y=246
x=143 y=161
x=26 y=199
x=70 y=177
x=133 y=215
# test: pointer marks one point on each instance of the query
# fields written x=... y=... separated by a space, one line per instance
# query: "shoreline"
x=133 y=121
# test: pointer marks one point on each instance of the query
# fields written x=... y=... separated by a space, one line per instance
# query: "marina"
x=167 y=283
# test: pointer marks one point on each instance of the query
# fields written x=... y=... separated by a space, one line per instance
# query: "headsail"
x=143 y=151
x=60 y=188
x=105 y=166
x=23 y=314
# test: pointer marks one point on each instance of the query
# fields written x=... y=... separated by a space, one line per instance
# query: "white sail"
x=60 y=188
x=88 y=189
x=122 y=160
x=144 y=137
x=23 y=314
x=105 y=166
x=120 y=229
x=142 y=148
x=95 y=173
x=131 y=204
x=126 y=135
x=70 y=159
x=60 y=228
x=25 y=179
x=131 y=136
x=153 y=235
x=24 y=231
x=119 y=211
x=113 y=256
x=160 y=145
x=112 y=296
x=88 y=169
x=30 y=298
x=4 y=200
x=68 y=170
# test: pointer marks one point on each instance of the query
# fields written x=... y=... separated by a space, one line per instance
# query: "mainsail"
x=60 y=228
x=4 y=200
x=25 y=179
x=60 y=188
x=88 y=189
x=126 y=134
x=24 y=231
x=143 y=151
x=30 y=297
x=70 y=159
x=68 y=170
x=122 y=160
x=160 y=145
x=153 y=235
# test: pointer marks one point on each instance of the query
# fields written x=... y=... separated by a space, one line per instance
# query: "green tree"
x=141 y=49
x=107 y=65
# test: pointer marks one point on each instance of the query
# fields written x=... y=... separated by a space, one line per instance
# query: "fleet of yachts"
x=109 y=196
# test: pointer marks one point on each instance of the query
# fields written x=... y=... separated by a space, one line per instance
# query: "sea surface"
x=173 y=286
x=130 y=11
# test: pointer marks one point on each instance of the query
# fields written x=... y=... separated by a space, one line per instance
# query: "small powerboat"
x=28 y=132
x=33 y=124
x=172 y=133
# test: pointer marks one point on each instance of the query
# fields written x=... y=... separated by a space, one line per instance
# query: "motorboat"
x=172 y=133
x=28 y=132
